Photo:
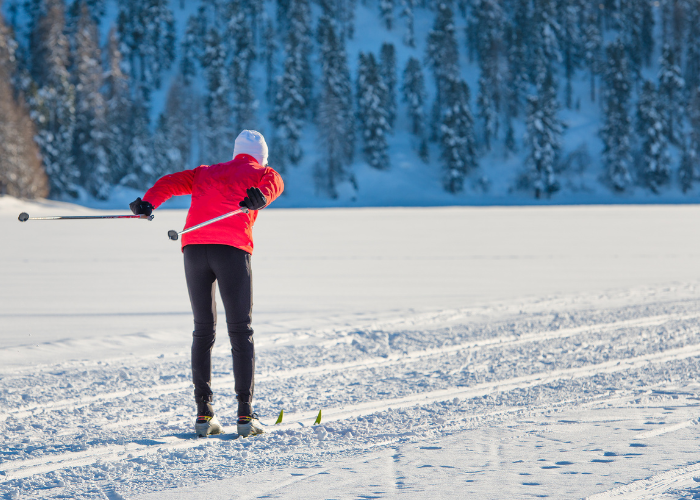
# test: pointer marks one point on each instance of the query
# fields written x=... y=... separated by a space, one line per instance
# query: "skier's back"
x=221 y=252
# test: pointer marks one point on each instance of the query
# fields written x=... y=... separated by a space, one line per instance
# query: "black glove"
x=255 y=199
x=140 y=207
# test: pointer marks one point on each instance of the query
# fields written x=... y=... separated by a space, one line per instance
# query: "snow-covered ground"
x=485 y=352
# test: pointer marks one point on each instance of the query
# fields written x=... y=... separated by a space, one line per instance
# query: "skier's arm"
x=177 y=184
x=271 y=185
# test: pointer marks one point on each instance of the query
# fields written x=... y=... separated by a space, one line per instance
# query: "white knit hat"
x=251 y=142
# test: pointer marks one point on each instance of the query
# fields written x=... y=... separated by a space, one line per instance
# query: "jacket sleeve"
x=177 y=184
x=271 y=185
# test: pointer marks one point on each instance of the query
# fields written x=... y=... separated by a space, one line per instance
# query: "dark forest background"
x=78 y=79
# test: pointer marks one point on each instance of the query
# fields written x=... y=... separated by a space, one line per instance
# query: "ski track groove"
x=30 y=467
x=379 y=361
x=651 y=487
x=666 y=429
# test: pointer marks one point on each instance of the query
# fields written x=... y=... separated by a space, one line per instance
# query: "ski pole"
x=174 y=235
x=24 y=217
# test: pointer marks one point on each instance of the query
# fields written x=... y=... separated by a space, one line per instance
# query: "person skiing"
x=221 y=252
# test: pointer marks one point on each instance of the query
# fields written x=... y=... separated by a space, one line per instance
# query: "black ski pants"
x=230 y=266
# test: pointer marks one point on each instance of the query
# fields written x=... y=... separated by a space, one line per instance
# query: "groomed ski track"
x=472 y=373
x=388 y=360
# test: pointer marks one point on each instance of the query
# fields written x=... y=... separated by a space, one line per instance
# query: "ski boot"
x=249 y=425
x=206 y=422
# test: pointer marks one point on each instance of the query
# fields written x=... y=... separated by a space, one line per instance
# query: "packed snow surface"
x=500 y=352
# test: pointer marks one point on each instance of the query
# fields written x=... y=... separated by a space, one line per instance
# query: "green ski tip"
x=318 y=419
x=279 y=419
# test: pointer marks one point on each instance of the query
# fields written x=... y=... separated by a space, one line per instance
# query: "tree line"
x=77 y=112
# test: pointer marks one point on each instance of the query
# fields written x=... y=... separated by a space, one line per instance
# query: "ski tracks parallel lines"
x=652 y=487
x=522 y=382
x=26 y=468
x=364 y=363
x=666 y=429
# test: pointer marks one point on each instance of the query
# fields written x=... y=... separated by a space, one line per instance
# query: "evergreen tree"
x=457 y=136
x=372 y=115
x=386 y=9
x=300 y=24
x=165 y=155
x=509 y=141
x=143 y=170
x=636 y=25
x=283 y=14
x=387 y=69
x=240 y=34
x=516 y=41
x=243 y=54
x=671 y=86
x=490 y=19
x=269 y=51
x=546 y=50
x=616 y=120
x=647 y=31
x=118 y=111
x=654 y=169
x=692 y=55
x=33 y=11
x=335 y=117
x=21 y=172
x=687 y=170
x=53 y=106
x=177 y=126
x=674 y=15
x=97 y=9
x=245 y=104
x=257 y=15
x=592 y=43
x=219 y=133
x=343 y=11
x=293 y=86
x=191 y=47
x=469 y=9
x=572 y=44
x=174 y=135
x=90 y=134
x=611 y=13
x=442 y=56
x=147 y=32
x=694 y=119
x=129 y=142
x=543 y=138
x=691 y=157
x=414 y=95
x=12 y=12
x=409 y=37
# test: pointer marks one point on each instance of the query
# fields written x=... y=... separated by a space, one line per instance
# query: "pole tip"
x=23 y=217
x=172 y=234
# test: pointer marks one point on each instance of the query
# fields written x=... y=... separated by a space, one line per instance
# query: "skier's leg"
x=234 y=274
x=201 y=285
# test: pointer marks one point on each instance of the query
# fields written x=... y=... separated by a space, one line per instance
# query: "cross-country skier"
x=221 y=252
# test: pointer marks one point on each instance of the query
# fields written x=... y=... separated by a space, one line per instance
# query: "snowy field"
x=490 y=353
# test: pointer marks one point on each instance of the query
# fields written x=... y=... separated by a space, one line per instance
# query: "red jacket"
x=216 y=190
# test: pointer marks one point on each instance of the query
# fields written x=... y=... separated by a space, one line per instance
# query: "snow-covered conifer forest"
x=366 y=102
